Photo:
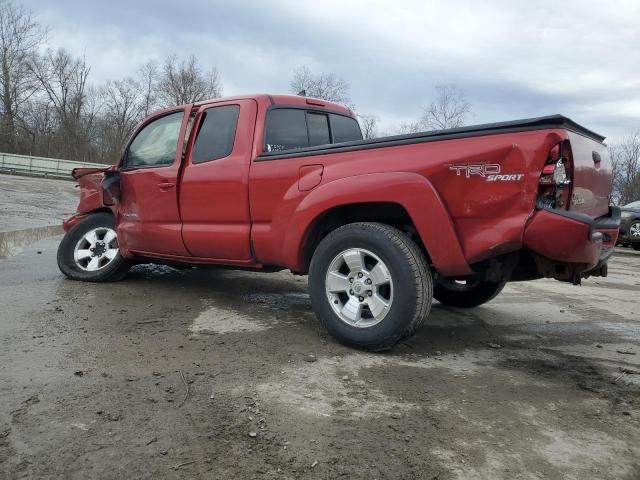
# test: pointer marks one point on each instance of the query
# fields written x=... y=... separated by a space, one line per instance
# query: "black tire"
x=466 y=296
x=408 y=269
x=634 y=239
x=115 y=270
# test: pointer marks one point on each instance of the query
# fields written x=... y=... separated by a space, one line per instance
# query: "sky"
x=513 y=59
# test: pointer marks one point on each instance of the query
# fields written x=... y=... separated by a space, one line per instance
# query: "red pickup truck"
x=381 y=226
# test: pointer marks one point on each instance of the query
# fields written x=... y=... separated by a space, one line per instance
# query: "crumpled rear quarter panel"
x=490 y=216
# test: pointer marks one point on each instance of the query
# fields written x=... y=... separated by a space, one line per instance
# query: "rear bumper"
x=573 y=238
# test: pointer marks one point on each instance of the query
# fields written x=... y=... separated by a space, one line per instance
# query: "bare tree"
x=406 y=128
x=20 y=37
x=326 y=86
x=63 y=80
x=368 y=125
x=124 y=104
x=625 y=158
x=185 y=82
x=48 y=107
x=148 y=77
x=450 y=109
x=38 y=128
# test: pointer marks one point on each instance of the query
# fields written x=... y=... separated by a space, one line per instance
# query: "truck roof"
x=290 y=100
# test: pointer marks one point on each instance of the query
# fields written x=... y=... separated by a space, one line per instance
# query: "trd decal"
x=513 y=177
x=489 y=171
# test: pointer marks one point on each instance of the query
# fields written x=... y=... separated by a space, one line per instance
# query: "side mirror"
x=110 y=188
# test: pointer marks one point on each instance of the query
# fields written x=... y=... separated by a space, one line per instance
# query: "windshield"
x=635 y=204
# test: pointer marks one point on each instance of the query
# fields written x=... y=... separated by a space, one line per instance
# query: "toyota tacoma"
x=381 y=226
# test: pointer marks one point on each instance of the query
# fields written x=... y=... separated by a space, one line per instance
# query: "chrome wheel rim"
x=96 y=249
x=359 y=287
x=634 y=230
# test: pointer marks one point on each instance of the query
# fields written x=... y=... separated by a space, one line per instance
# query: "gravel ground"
x=211 y=373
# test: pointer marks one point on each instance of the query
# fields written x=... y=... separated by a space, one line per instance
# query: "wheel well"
x=390 y=213
x=99 y=210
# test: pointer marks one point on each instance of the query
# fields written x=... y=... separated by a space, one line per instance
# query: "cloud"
x=514 y=59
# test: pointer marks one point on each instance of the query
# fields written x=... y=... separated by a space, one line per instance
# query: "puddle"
x=625 y=330
x=12 y=243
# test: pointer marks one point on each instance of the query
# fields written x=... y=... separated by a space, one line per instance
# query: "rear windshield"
x=291 y=128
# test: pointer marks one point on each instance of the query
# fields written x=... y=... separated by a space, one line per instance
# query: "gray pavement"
x=207 y=373
x=27 y=202
x=212 y=373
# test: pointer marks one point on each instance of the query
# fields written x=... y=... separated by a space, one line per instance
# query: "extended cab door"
x=148 y=217
x=214 y=190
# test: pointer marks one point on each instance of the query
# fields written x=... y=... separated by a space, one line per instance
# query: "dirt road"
x=222 y=374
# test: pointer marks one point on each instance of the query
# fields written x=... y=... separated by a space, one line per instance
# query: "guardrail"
x=40 y=166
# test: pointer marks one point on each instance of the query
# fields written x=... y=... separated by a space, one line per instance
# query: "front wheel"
x=89 y=251
x=466 y=293
x=370 y=285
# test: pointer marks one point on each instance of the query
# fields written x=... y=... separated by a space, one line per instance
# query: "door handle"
x=166 y=185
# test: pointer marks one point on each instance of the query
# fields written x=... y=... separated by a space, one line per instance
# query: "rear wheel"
x=370 y=285
x=466 y=293
x=89 y=251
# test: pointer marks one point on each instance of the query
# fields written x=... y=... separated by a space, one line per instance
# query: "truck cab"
x=184 y=176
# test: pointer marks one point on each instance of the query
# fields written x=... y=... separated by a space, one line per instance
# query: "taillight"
x=555 y=179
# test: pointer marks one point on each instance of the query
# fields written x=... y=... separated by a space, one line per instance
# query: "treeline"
x=50 y=108
x=625 y=157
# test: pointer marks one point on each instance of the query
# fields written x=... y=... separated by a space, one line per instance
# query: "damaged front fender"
x=90 y=184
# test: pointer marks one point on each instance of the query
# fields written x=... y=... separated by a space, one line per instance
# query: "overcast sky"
x=514 y=59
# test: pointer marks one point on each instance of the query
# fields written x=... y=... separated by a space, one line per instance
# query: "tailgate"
x=592 y=176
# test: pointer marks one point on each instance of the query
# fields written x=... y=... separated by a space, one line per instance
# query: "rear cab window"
x=295 y=128
x=286 y=129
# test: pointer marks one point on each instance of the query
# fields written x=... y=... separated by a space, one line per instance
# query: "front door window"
x=156 y=143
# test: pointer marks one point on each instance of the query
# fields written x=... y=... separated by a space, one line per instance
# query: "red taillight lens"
x=555 y=178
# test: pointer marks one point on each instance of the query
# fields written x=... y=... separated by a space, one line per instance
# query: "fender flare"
x=410 y=190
